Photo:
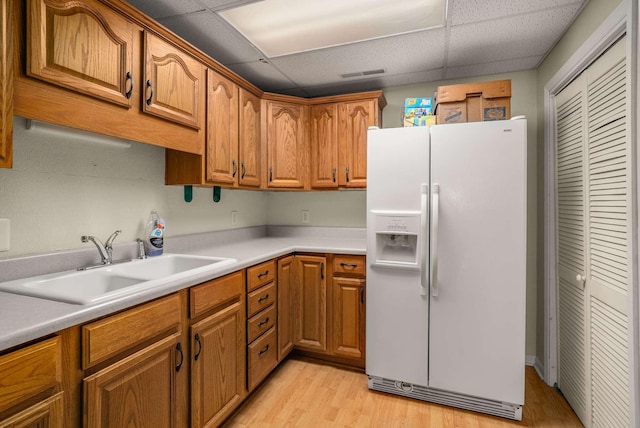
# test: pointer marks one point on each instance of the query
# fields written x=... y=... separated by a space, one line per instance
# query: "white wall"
x=59 y=190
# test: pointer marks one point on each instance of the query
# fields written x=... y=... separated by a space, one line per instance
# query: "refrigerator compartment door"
x=477 y=321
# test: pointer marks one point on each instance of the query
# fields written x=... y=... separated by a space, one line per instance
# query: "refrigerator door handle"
x=435 y=202
x=424 y=228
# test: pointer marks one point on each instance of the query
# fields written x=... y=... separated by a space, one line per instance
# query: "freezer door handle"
x=435 y=202
x=424 y=227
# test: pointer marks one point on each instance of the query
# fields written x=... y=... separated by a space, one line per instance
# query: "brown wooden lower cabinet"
x=285 y=306
x=218 y=343
x=217 y=366
x=139 y=390
x=30 y=386
x=330 y=320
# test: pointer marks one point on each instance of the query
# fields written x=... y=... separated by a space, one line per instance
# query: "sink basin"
x=109 y=282
x=169 y=264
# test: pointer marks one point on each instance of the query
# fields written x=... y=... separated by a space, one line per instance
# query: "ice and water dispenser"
x=397 y=239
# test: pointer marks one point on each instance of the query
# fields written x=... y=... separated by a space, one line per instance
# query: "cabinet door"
x=173 y=83
x=285 y=306
x=311 y=303
x=354 y=120
x=324 y=145
x=249 y=144
x=45 y=414
x=348 y=317
x=139 y=390
x=222 y=129
x=286 y=147
x=218 y=366
x=82 y=46
x=6 y=85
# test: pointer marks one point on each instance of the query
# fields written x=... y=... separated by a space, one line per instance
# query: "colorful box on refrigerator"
x=418 y=112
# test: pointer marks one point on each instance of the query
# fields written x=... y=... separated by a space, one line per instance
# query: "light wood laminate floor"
x=302 y=393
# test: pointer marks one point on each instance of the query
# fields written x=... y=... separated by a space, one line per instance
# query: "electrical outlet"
x=234 y=218
x=4 y=234
x=305 y=216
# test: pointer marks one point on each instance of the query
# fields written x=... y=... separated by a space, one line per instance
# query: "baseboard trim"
x=539 y=368
x=530 y=360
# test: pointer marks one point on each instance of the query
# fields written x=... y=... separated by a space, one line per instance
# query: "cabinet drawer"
x=260 y=274
x=260 y=323
x=262 y=358
x=110 y=336
x=261 y=298
x=353 y=265
x=29 y=371
x=208 y=295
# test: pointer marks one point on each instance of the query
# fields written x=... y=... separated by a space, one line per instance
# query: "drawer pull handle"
x=321 y=270
x=199 y=343
x=261 y=323
x=262 y=351
x=351 y=265
x=262 y=299
x=261 y=274
x=179 y=349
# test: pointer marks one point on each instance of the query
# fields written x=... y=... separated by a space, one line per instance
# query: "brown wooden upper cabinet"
x=233 y=133
x=249 y=147
x=233 y=150
x=324 y=145
x=354 y=118
x=173 y=82
x=6 y=86
x=128 y=82
x=287 y=144
x=64 y=39
x=338 y=127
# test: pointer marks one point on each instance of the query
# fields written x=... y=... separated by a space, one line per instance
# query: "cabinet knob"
x=581 y=278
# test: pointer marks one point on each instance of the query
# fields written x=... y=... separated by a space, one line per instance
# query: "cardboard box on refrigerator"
x=474 y=102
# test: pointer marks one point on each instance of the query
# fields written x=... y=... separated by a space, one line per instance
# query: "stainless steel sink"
x=110 y=282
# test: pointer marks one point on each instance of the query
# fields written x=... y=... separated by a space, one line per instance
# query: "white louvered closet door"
x=594 y=242
x=570 y=220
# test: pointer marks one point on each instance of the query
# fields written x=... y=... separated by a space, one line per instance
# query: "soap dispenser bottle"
x=154 y=234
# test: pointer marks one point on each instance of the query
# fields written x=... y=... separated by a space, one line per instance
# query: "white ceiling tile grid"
x=481 y=37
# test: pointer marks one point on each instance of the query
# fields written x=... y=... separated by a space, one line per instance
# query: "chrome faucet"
x=106 y=249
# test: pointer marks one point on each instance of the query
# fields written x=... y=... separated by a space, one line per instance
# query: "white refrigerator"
x=446 y=264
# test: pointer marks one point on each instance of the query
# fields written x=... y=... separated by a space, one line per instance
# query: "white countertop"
x=23 y=318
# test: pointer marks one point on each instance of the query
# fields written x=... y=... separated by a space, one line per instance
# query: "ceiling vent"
x=362 y=73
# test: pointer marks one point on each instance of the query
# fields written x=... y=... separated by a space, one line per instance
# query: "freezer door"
x=397 y=322
x=478 y=259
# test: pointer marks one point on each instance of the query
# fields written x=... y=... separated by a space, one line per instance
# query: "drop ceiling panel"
x=163 y=8
x=508 y=38
x=409 y=53
x=264 y=76
x=213 y=35
x=495 y=67
x=371 y=84
x=464 y=12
